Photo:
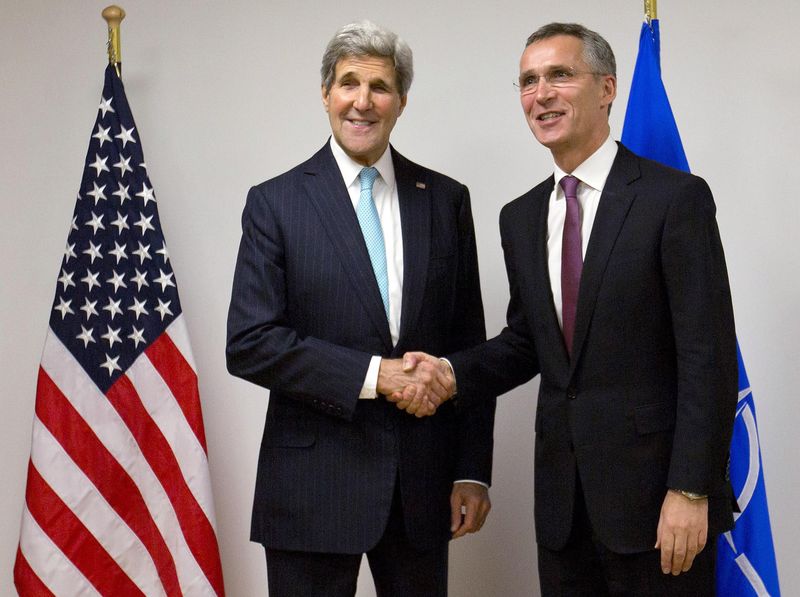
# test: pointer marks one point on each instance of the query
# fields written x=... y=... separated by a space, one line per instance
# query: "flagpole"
x=650 y=10
x=113 y=15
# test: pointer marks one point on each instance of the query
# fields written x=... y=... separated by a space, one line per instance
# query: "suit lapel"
x=325 y=188
x=542 y=301
x=415 y=218
x=615 y=203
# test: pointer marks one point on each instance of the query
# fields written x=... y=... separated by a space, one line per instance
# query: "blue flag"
x=745 y=555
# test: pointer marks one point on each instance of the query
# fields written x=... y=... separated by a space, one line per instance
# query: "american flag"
x=118 y=498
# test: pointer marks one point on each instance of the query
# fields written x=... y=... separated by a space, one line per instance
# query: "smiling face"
x=572 y=120
x=363 y=105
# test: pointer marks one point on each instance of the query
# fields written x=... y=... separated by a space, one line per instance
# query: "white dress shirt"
x=592 y=174
x=384 y=193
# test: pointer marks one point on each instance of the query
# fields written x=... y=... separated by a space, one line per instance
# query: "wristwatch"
x=691 y=495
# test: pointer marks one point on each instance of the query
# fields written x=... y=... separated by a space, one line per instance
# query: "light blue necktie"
x=373 y=233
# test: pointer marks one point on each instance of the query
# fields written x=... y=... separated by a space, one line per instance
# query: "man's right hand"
x=417 y=388
x=410 y=398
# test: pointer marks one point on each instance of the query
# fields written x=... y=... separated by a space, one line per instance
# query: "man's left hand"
x=682 y=531
x=473 y=498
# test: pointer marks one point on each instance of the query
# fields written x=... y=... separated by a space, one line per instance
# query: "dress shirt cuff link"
x=453 y=373
x=369 y=391
x=471 y=481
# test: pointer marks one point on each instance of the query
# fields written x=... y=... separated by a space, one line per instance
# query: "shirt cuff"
x=453 y=373
x=369 y=391
x=471 y=481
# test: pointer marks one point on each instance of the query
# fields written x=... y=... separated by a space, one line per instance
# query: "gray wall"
x=226 y=95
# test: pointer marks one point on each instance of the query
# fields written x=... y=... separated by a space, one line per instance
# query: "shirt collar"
x=350 y=169
x=594 y=170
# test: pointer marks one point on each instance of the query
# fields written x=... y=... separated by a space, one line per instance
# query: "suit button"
x=571 y=393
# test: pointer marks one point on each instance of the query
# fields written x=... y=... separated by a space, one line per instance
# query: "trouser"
x=398 y=569
x=585 y=567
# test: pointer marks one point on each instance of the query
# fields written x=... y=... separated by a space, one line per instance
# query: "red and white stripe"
x=119 y=500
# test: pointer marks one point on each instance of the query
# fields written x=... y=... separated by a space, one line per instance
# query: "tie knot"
x=368 y=176
x=570 y=186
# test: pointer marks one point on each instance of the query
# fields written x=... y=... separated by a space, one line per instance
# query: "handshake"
x=418 y=383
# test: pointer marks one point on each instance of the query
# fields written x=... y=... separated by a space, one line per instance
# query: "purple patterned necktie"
x=571 y=259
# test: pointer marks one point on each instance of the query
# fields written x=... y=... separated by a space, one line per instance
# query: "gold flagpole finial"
x=113 y=15
x=650 y=10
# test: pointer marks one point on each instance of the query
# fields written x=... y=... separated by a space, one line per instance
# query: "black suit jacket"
x=647 y=401
x=305 y=319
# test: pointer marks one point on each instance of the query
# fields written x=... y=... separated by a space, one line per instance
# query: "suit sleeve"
x=475 y=415
x=699 y=298
x=262 y=347
x=509 y=359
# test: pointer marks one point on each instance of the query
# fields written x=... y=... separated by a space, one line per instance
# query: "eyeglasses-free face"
x=363 y=105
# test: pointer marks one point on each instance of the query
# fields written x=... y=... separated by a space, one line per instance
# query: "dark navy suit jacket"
x=305 y=319
x=647 y=400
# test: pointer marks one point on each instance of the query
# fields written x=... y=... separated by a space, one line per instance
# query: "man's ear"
x=609 y=89
x=325 y=96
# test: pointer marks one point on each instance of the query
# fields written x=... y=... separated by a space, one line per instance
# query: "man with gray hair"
x=347 y=261
x=620 y=301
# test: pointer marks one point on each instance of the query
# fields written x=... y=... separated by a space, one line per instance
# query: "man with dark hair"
x=620 y=300
x=352 y=258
